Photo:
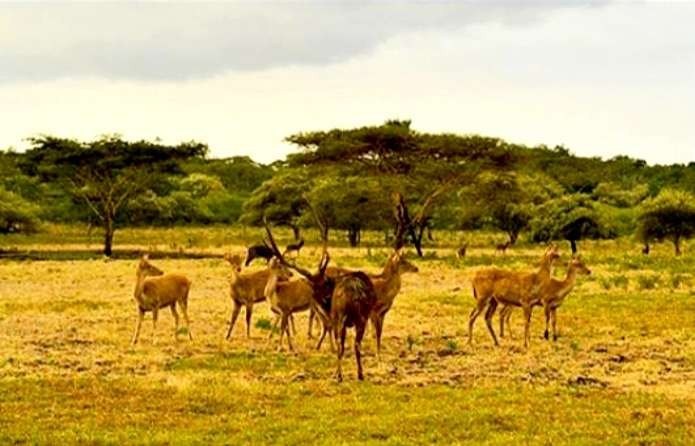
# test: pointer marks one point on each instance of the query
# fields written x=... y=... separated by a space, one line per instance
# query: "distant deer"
x=461 y=252
x=246 y=290
x=645 y=249
x=286 y=298
x=502 y=247
x=496 y=286
x=258 y=252
x=155 y=290
x=552 y=296
x=294 y=247
x=345 y=302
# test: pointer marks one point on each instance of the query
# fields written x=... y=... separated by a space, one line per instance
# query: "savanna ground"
x=622 y=372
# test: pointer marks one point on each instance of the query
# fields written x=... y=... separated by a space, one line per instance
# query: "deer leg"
x=138 y=324
x=275 y=323
x=378 y=323
x=249 y=312
x=184 y=310
x=491 y=308
x=547 y=310
x=176 y=320
x=310 y=335
x=341 y=349
x=232 y=321
x=553 y=319
x=504 y=312
x=359 y=334
x=508 y=316
x=480 y=305
x=155 y=313
x=527 y=323
x=291 y=321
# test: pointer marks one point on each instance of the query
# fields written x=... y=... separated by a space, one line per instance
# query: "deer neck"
x=568 y=282
x=139 y=285
x=392 y=281
x=271 y=285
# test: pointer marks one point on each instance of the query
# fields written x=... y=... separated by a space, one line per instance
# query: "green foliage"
x=612 y=194
x=16 y=214
x=570 y=217
x=670 y=215
x=280 y=199
x=648 y=281
x=352 y=204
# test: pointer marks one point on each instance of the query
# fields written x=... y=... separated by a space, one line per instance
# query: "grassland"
x=622 y=372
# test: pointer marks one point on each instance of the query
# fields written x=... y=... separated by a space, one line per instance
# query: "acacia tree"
x=280 y=200
x=424 y=167
x=669 y=215
x=352 y=204
x=104 y=174
x=570 y=217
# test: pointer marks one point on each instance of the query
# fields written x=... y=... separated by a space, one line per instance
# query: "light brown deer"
x=496 y=286
x=552 y=296
x=155 y=290
x=246 y=290
x=387 y=286
x=345 y=302
x=286 y=298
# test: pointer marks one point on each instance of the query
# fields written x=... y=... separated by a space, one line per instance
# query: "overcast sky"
x=602 y=78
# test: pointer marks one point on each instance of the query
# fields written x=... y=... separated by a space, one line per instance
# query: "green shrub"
x=647 y=281
x=17 y=214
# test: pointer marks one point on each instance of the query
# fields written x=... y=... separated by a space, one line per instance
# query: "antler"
x=323 y=228
x=280 y=257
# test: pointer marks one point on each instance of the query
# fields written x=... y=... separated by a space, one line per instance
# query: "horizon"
x=602 y=79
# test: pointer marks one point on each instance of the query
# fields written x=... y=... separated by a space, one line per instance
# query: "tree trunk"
x=108 y=236
x=677 y=244
x=296 y=232
x=354 y=237
x=417 y=239
x=573 y=244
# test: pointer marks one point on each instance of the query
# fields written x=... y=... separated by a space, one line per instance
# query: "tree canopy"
x=669 y=215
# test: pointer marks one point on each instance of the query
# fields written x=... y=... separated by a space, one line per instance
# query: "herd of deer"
x=342 y=298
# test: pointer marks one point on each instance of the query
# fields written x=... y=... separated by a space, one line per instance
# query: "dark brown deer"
x=258 y=252
x=502 y=247
x=294 y=247
x=343 y=302
x=461 y=252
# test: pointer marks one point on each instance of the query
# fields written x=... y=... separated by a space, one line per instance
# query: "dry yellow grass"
x=623 y=369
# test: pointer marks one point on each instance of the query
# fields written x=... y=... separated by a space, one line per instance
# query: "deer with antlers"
x=495 y=286
x=552 y=296
x=155 y=290
x=343 y=302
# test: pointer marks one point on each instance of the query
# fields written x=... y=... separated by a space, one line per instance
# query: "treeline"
x=352 y=176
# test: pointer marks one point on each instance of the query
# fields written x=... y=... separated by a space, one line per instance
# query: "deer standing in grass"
x=246 y=290
x=495 y=286
x=501 y=248
x=286 y=298
x=387 y=285
x=155 y=290
x=552 y=296
x=344 y=302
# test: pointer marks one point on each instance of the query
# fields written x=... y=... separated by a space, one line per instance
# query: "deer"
x=387 y=286
x=294 y=247
x=461 y=252
x=261 y=251
x=552 y=296
x=286 y=298
x=502 y=247
x=343 y=302
x=246 y=290
x=496 y=286
x=155 y=290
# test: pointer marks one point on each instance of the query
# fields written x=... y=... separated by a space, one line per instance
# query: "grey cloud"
x=182 y=41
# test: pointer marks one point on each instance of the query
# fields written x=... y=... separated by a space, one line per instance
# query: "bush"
x=17 y=214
